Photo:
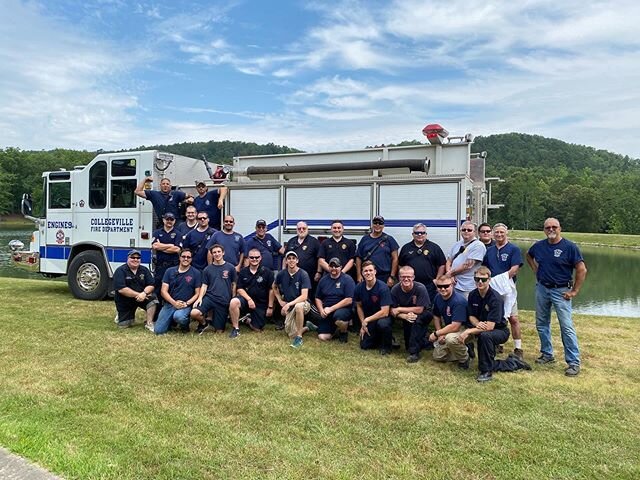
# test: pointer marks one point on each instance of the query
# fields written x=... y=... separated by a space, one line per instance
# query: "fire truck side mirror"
x=27 y=204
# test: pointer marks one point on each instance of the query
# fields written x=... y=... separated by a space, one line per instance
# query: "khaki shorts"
x=290 y=319
x=514 y=310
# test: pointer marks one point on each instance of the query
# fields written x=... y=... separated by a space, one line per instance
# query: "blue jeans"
x=545 y=298
x=169 y=313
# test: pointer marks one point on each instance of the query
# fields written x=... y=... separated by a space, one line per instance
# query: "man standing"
x=233 y=243
x=411 y=304
x=505 y=257
x=197 y=239
x=210 y=201
x=180 y=289
x=269 y=247
x=451 y=319
x=254 y=294
x=337 y=246
x=486 y=315
x=484 y=235
x=334 y=298
x=133 y=286
x=425 y=257
x=306 y=247
x=165 y=248
x=218 y=286
x=164 y=200
x=190 y=223
x=373 y=302
x=381 y=249
x=291 y=288
x=553 y=260
x=465 y=258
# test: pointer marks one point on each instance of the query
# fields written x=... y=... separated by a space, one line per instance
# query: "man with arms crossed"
x=553 y=260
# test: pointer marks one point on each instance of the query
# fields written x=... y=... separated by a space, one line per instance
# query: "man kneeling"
x=334 y=297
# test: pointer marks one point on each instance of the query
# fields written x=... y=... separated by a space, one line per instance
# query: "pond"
x=611 y=287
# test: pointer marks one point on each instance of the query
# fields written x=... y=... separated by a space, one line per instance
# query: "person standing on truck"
x=196 y=241
x=381 y=249
x=164 y=200
x=269 y=247
x=165 y=248
x=133 y=286
x=180 y=289
x=553 y=261
x=465 y=257
x=190 y=223
x=210 y=201
x=233 y=243
x=336 y=246
x=307 y=247
x=218 y=287
x=425 y=257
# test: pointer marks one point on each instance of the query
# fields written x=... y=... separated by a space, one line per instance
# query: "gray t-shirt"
x=474 y=250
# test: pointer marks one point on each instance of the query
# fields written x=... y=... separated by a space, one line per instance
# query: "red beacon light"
x=435 y=133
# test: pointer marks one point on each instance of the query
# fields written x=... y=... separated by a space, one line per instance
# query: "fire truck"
x=91 y=216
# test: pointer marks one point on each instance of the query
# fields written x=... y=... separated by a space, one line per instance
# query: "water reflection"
x=610 y=289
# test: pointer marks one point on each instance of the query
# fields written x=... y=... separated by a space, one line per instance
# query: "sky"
x=316 y=75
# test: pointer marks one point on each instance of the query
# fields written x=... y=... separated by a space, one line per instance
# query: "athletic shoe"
x=413 y=358
x=245 y=319
x=312 y=327
x=115 y=320
x=279 y=325
x=234 y=333
x=149 y=326
x=572 y=370
x=343 y=337
x=202 y=328
x=297 y=342
x=518 y=353
x=484 y=377
x=465 y=364
x=545 y=359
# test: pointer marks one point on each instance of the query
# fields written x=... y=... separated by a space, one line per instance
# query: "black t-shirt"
x=256 y=285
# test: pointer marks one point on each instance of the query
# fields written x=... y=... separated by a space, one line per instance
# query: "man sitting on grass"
x=133 y=285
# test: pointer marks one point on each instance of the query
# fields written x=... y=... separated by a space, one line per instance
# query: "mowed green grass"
x=89 y=401
x=598 y=239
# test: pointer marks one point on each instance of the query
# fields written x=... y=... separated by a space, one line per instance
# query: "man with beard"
x=233 y=243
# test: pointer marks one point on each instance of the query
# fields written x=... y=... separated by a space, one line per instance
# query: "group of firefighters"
x=215 y=277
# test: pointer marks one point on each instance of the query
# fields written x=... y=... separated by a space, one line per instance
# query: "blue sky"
x=316 y=75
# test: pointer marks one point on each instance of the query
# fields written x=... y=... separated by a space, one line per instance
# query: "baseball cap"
x=169 y=216
x=261 y=222
x=378 y=218
x=200 y=182
x=291 y=253
x=133 y=252
x=335 y=262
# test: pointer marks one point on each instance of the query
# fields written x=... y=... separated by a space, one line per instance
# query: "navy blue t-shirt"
x=196 y=241
x=171 y=237
x=555 y=261
x=381 y=256
x=487 y=309
x=500 y=260
x=165 y=202
x=233 y=244
x=334 y=290
x=372 y=300
x=418 y=296
x=290 y=286
x=209 y=203
x=182 y=285
x=268 y=247
x=257 y=285
x=219 y=280
x=454 y=309
x=183 y=228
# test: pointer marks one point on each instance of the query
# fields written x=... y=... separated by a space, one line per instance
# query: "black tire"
x=88 y=277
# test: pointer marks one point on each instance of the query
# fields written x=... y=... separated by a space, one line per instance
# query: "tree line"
x=589 y=190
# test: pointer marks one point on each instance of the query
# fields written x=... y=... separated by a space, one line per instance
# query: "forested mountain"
x=589 y=190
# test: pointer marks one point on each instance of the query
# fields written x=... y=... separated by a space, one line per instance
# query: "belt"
x=568 y=284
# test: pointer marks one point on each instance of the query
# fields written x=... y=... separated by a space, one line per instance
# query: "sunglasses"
x=553 y=227
x=419 y=233
x=254 y=257
x=378 y=223
x=186 y=257
x=203 y=218
x=134 y=258
x=481 y=279
x=443 y=287
x=485 y=231
x=466 y=229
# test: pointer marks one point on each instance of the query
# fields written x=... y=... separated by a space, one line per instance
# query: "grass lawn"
x=89 y=401
x=598 y=239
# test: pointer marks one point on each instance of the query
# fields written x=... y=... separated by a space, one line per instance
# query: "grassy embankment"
x=14 y=222
x=596 y=239
x=86 y=400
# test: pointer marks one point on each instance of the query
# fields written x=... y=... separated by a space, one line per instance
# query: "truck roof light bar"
x=435 y=133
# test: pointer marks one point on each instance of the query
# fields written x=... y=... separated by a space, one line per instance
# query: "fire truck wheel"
x=88 y=278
